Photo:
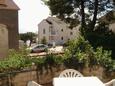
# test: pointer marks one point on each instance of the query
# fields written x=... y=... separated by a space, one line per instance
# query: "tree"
x=44 y=41
x=88 y=12
x=27 y=36
x=75 y=10
x=114 y=2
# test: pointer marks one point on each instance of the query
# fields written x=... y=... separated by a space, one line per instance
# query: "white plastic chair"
x=33 y=83
x=70 y=73
x=110 y=83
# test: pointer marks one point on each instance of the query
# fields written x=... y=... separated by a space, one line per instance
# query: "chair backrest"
x=33 y=83
x=70 y=73
x=110 y=83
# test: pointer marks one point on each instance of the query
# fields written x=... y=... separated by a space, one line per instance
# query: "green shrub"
x=14 y=61
x=80 y=53
x=44 y=41
x=47 y=62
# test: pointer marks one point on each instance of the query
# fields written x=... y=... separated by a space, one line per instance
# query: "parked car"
x=38 y=48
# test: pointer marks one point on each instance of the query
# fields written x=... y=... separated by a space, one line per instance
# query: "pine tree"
x=73 y=10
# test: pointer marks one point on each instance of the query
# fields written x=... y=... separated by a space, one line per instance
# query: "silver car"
x=39 y=48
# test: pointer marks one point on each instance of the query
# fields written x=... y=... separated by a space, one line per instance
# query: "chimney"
x=2 y=2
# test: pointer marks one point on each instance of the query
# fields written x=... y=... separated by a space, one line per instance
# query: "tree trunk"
x=113 y=2
x=95 y=14
x=83 y=24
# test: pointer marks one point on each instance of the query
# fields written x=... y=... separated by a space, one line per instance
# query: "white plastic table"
x=77 y=81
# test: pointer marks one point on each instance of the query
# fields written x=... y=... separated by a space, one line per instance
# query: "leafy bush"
x=20 y=60
x=48 y=60
x=14 y=61
x=102 y=36
x=44 y=41
x=80 y=53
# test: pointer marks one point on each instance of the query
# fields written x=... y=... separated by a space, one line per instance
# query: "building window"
x=61 y=38
x=50 y=28
x=71 y=33
x=51 y=37
x=62 y=30
x=44 y=31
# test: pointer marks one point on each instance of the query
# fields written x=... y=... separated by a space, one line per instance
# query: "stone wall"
x=45 y=77
x=3 y=40
x=10 y=19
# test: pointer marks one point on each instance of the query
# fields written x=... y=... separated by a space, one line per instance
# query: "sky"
x=31 y=13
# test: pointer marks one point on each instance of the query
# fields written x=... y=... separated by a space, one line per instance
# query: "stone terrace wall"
x=45 y=77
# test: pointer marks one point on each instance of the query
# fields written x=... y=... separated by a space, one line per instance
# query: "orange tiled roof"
x=8 y=4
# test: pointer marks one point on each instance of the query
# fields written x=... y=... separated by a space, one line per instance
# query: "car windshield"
x=39 y=46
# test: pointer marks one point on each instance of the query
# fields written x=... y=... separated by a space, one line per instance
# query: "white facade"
x=55 y=30
x=112 y=27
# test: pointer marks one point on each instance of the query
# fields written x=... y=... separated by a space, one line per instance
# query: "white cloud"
x=30 y=14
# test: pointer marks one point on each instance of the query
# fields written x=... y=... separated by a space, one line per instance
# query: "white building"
x=56 y=31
